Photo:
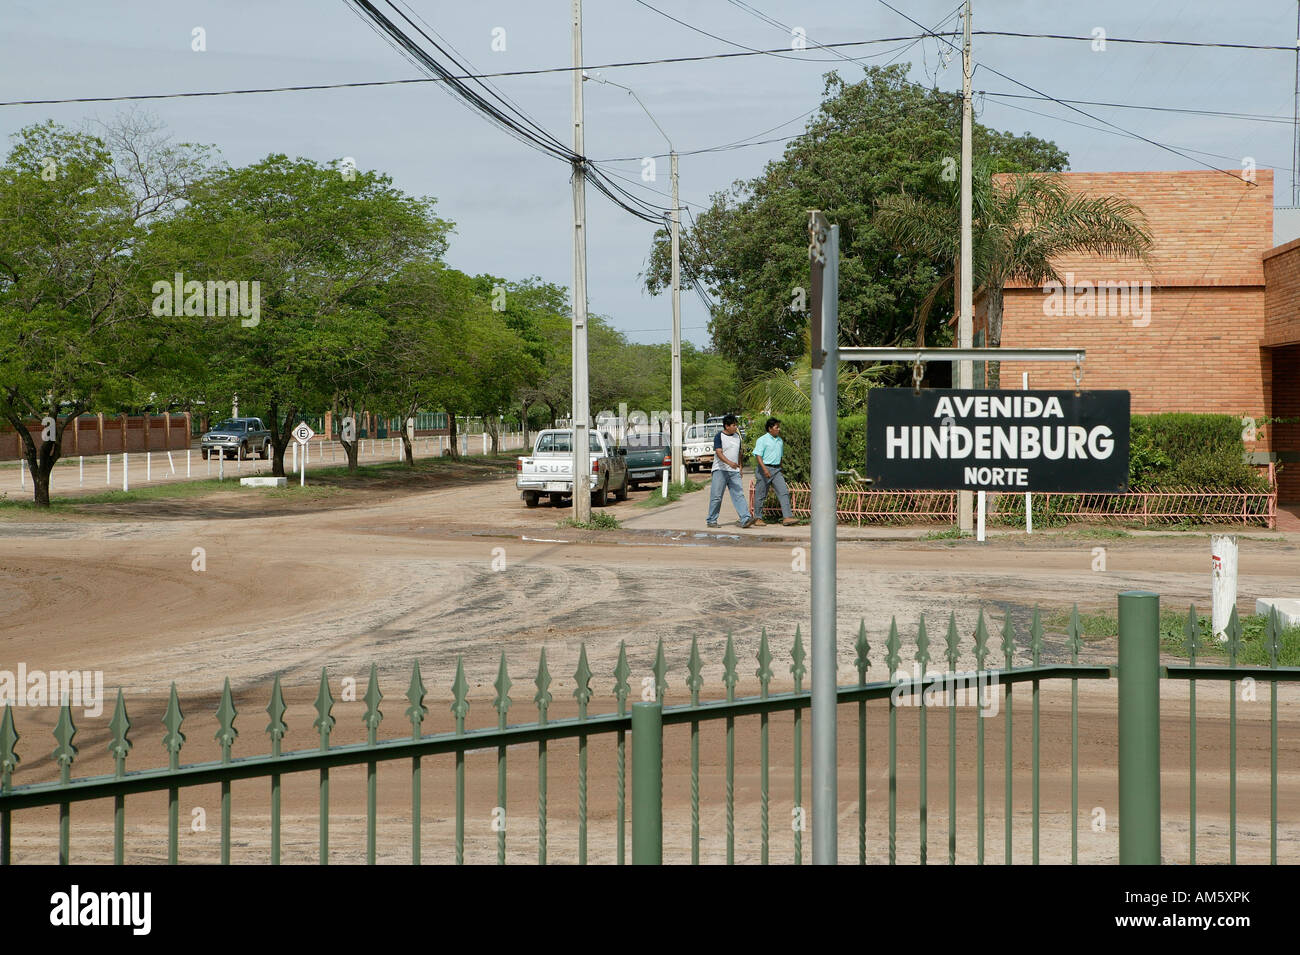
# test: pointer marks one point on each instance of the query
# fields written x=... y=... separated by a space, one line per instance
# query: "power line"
x=1076 y=109
x=1117 y=39
x=1220 y=114
x=436 y=79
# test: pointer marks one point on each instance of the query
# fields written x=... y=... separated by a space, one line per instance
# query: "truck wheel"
x=621 y=493
x=531 y=498
x=557 y=500
x=266 y=451
x=243 y=452
x=204 y=452
x=601 y=498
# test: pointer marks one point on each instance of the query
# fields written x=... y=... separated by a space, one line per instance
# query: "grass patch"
x=951 y=533
x=600 y=521
x=1099 y=533
x=1173 y=636
x=1253 y=652
x=153 y=492
x=675 y=491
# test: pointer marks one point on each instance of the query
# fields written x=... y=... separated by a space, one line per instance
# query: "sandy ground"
x=458 y=567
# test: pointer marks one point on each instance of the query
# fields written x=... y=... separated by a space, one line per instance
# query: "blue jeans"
x=731 y=481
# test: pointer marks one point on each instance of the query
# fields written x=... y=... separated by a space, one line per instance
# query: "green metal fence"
x=1138 y=675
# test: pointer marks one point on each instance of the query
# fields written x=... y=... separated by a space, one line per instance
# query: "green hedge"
x=1189 y=450
x=1166 y=450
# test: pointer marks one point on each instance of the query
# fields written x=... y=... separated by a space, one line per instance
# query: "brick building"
x=1210 y=322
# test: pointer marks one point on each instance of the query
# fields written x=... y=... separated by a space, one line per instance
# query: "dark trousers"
x=776 y=483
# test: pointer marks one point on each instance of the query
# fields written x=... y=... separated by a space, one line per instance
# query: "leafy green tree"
x=319 y=240
x=869 y=139
x=75 y=329
x=535 y=310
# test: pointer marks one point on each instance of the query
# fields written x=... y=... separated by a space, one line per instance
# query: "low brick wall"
x=108 y=434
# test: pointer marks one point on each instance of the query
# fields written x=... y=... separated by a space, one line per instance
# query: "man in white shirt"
x=727 y=473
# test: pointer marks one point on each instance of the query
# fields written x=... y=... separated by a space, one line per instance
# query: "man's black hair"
x=770 y=423
x=728 y=420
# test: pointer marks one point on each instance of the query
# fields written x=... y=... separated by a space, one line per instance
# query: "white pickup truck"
x=697 y=446
x=549 y=469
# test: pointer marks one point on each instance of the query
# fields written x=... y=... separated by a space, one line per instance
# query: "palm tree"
x=789 y=390
x=1019 y=225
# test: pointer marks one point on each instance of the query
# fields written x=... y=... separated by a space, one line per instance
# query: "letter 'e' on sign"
x=1016 y=441
x=303 y=433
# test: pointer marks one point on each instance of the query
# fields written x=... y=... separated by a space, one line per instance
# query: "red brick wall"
x=1199 y=348
x=81 y=437
x=1282 y=301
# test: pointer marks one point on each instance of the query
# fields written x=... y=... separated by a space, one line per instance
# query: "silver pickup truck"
x=245 y=437
x=549 y=469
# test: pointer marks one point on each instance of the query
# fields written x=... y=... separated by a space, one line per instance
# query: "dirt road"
x=456 y=566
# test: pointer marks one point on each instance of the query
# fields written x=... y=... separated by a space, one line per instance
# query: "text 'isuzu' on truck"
x=549 y=469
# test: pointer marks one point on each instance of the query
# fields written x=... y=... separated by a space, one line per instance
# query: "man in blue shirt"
x=768 y=451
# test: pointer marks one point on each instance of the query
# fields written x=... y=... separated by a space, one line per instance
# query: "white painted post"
x=665 y=490
x=148 y=466
x=982 y=497
x=22 y=473
x=187 y=463
x=81 y=470
x=221 y=465
x=1029 y=499
x=1223 y=582
x=302 y=471
x=171 y=464
x=126 y=471
x=485 y=442
x=108 y=470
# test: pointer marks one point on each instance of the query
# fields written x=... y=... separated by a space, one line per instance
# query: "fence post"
x=647 y=784
x=1139 y=728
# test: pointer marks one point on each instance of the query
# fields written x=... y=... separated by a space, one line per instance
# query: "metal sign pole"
x=825 y=420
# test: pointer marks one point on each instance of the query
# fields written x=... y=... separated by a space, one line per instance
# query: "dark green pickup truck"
x=648 y=457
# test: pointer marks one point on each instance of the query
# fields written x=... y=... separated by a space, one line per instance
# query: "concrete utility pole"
x=581 y=452
x=679 y=466
x=824 y=252
x=966 y=317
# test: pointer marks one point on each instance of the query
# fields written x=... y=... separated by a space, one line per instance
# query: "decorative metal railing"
x=1138 y=674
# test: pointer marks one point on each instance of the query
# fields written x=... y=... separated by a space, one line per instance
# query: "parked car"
x=549 y=469
x=648 y=457
x=245 y=437
x=697 y=446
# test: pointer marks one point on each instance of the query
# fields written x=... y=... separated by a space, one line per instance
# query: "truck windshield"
x=561 y=442
x=230 y=424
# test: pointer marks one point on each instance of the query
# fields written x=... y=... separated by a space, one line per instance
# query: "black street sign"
x=949 y=440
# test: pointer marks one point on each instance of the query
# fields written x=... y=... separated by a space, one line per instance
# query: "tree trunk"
x=451 y=436
x=350 y=452
x=993 y=377
x=281 y=435
x=39 y=460
x=494 y=431
x=523 y=426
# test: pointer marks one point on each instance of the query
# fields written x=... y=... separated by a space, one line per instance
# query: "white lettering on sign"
x=986 y=442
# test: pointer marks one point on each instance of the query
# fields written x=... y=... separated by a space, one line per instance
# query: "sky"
x=512 y=206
